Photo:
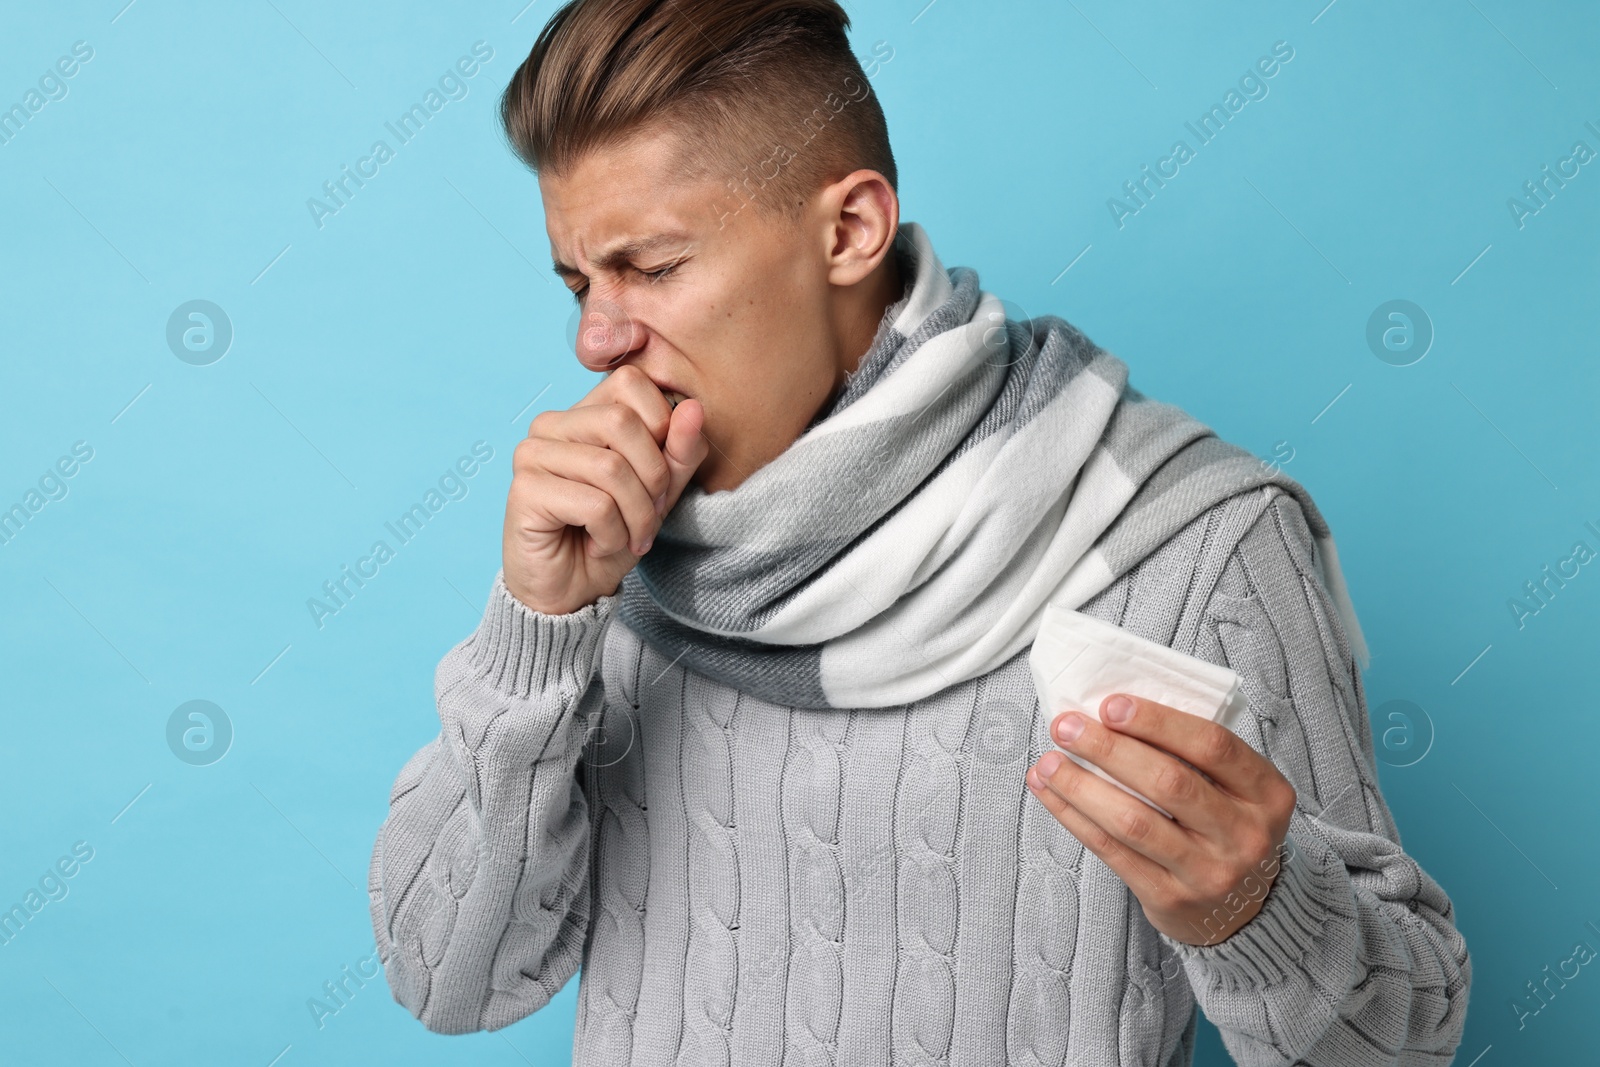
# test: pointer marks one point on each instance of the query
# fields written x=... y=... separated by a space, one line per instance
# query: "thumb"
x=686 y=448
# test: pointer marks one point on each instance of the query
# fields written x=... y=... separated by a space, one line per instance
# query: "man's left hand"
x=1202 y=874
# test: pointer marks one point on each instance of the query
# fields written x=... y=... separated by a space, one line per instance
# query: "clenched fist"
x=590 y=487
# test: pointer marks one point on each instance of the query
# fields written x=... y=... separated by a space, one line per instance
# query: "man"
x=747 y=731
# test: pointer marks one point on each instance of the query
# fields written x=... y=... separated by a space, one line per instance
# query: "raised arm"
x=1354 y=959
x=479 y=878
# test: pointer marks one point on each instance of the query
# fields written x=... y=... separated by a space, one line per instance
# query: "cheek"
x=748 y=340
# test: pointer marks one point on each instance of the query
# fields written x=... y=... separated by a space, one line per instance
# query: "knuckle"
x=1134 y=824
x=597 y=507
x=525 y=454
x=612 y=464
x=1217 y=748
x=1218 y=881
x=1166 y=895
x=617 y=416
x=1174 y=783
x=1258 y=848
x=1187 y=898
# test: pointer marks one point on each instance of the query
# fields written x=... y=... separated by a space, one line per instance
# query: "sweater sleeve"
x=478 y=886
x=1354 y=958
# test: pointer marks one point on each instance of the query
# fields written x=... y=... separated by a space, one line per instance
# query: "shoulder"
x=1168 y=595
x=1279 y=533
x=1238 y=585
x=1271 y=618
x=1251 y=543
x=1271 y=575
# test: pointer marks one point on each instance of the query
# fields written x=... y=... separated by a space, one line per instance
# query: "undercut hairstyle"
x=766 y=95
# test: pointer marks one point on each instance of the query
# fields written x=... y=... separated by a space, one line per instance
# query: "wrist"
x=523 y=594
x=1311 y=901
x=521 y=650
x=1215 y=921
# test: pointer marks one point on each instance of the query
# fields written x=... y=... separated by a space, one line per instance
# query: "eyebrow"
x=623 y=252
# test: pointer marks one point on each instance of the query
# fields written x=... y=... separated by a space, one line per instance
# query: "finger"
x=1119 y=814
x=1128 y=866
x=576 y=503
x=686 y=448
x=1144 y=766
x=1232 y=764
x=616 y=426
x=630 y=386
x=611 y=473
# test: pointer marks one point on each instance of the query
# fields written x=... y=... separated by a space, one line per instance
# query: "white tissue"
x=1078 y=661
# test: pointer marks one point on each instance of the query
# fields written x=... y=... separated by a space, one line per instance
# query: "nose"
x=606 y=334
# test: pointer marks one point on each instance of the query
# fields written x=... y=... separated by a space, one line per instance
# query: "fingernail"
x=1049 y=762
x=661 y=504
x=1069 y=727
x=1118 y=709
x=647 y=545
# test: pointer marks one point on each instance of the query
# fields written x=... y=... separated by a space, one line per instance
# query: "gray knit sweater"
x=747 y=884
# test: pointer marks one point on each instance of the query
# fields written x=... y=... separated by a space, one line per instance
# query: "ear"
x=863 y=220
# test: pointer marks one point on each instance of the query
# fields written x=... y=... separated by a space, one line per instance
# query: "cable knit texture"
x=747 y=884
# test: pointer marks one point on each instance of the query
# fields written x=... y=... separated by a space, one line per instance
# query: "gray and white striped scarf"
x=971 y=470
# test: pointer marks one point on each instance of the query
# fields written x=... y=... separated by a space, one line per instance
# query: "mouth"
x=673 y=397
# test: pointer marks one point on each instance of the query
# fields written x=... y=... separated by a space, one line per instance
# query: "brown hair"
x=768 y=94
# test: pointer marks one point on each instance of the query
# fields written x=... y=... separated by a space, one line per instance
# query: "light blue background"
x=370 y=353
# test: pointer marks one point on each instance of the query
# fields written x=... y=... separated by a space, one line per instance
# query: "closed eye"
x=653 y=275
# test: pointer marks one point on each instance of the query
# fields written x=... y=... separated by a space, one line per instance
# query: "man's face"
x=740 y=320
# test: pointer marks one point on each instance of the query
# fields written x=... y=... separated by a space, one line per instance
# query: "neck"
x=860 y=317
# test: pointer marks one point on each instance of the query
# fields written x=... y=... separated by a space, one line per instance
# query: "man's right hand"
x=582 y=507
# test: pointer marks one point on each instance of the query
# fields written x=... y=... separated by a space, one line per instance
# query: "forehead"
x=625 y=198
